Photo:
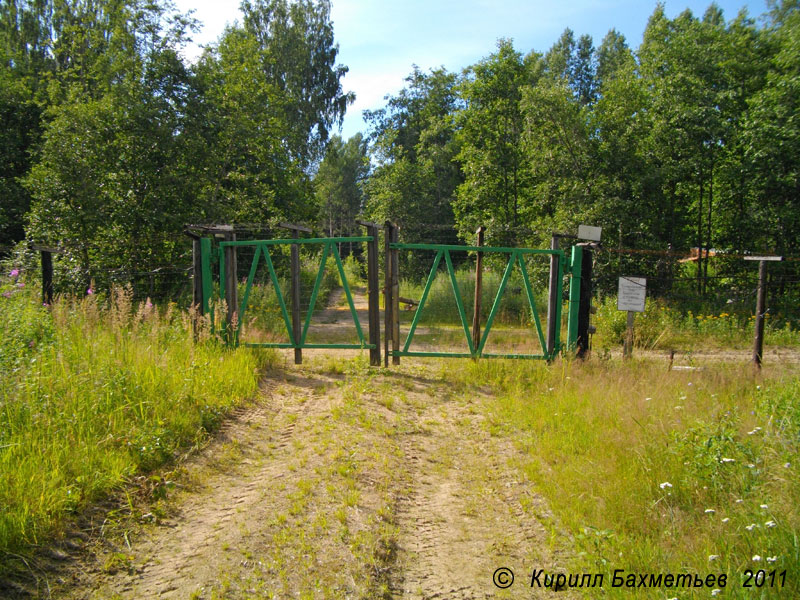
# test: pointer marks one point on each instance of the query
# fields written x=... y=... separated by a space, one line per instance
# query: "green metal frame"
x=576 y=262
x=516 y=256
x=329 y=247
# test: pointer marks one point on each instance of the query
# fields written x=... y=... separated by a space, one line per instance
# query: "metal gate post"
x=574 y=297
x=373 y=289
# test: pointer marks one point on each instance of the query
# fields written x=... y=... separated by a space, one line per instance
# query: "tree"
x=338 y=185
x=413 y=147
x=497 y=181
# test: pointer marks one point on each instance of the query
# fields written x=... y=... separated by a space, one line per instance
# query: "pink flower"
x=89 y=292
x=14 y=272
x=20 y=285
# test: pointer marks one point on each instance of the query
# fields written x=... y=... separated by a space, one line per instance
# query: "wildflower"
x=31 y=344
x=20 y=285
x=751 y=527
x=726 y=519
x=770 y=524
x=6 y=294
x=756 y=558
x=647 y=399
x=665 y=485
x=771 y=559
x=14 y=273
x=751 y=466
x=716 y=592
x=713 y=557
x=739 y=501
x=765 y=506
x=710 y=511
x=787 y=465
x=89 y=292
x=727 y=460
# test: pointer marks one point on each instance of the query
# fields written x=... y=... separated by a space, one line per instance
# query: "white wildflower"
x=665 y=485
x=713 y=557
x=710 y=511
x=726 y=519
x=770 y=524
x=739 y=501
x=765 y=506
x=727 y=460
x=751 y=527
x=772 y=559
x=756 y=558
x=716 y=592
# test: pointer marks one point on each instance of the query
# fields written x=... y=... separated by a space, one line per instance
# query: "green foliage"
x=26 y=326
x=338 y=186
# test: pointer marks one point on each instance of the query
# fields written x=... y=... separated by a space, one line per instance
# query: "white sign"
x=632 y=291
x=586 y=232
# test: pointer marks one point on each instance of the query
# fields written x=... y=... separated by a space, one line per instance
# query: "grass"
x=656 y=471
x=662 y=326
x=95 y=392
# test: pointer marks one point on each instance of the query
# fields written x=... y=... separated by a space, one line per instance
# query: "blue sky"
x=380 y=40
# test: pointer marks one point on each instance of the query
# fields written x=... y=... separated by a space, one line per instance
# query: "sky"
x=381 y=40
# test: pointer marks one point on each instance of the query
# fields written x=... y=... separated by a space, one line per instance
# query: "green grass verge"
x=96 y=392
x=659 y=472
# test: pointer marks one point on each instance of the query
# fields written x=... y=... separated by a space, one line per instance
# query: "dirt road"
x=342 y=481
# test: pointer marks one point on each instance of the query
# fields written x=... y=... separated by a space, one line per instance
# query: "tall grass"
x=662 y=326
x=659 y=472
x=95 y=392
x=440 y=305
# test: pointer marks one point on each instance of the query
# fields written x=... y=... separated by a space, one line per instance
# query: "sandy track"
x=341 y=481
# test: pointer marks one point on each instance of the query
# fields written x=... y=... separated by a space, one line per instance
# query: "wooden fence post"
x=47 y=277
x=761 y=303
x=395 y=256
x=297 y=331
x=476 y=317
x=231 y=288
x=627 y=347
x=373 y=287
x=387 y=291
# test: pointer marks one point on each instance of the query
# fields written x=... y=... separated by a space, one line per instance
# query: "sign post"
x=761 y=303
x=631 y=297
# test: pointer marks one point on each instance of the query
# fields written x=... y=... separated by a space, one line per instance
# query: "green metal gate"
x=296 y=335
x=516 y=256
x=297 y=331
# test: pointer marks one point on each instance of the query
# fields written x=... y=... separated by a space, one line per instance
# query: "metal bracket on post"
x=295 y=291
x=373 y=291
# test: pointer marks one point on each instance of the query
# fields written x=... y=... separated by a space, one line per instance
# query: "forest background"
x=112 y=142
